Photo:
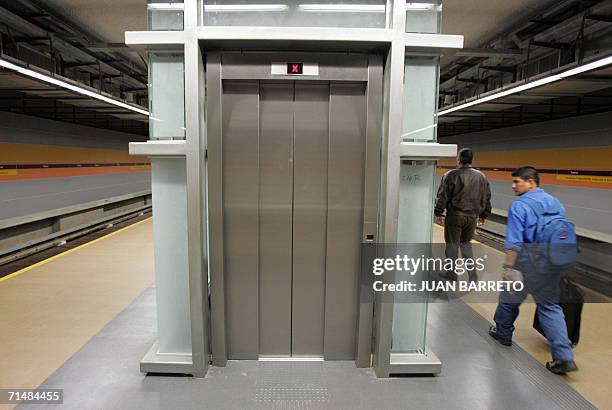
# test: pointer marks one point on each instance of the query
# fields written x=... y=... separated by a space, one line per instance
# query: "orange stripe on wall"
x=35 y=154
x=548 y=179
x=589 y=158
x=43 y=173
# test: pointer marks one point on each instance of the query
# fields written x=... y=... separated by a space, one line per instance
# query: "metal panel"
x=171 y=267
x=345 y=218
x=196 y=223
x=241 y=225
x=214 y=166
x=392 y=121
x=370 y=203
x=281 y=187
x=339 y=67
x=275 y=215
x=309 y=219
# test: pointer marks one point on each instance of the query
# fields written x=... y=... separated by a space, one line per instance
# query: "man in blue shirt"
x=521 y=231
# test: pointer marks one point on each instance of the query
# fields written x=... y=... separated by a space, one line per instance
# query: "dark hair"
x=466 y=156
x=527 y=173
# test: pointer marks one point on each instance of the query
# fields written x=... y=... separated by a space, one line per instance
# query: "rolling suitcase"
x=571 y=301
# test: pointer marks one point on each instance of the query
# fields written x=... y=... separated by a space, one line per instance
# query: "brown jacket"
x=464 y=191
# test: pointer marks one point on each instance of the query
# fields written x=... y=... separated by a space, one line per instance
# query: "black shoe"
x=500 y=340
x=561 y=366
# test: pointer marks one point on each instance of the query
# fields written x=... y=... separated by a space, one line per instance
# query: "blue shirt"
x=522 y=220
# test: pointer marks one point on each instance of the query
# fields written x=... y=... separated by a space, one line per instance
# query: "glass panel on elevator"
x=420 y=105
x=295 y=13
x=165 y=14
x=166 y=96
x=423 y=16
x=419 y=122
x=414 y=227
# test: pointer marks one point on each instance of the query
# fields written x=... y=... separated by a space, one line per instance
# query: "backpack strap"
x=535 y=206
x=538 y=208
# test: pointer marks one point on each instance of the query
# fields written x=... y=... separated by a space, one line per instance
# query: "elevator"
x=280 y=138
x=297 y=189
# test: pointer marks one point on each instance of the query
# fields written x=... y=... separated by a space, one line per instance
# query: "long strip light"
x=423 y=6
x=72 y=87
x=344 y=8
x=165 y=6
x=223 y=8
x=534 y=84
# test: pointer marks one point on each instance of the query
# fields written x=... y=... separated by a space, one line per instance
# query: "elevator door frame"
x=222 y=66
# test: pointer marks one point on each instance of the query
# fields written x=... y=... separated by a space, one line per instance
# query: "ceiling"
x=537 y=39
x=78 y=43
x=481 y=20
x=108 y=19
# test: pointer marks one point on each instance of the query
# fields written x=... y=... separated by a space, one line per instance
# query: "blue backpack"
x=555 y=248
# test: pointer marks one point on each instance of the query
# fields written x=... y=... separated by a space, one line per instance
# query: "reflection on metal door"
x=293 y=177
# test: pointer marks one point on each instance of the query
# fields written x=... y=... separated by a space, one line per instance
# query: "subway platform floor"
x=477 y=374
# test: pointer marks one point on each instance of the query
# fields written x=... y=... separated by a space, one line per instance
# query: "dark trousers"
x=458 y=232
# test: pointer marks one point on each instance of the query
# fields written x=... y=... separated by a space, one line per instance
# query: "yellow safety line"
x=52 y=258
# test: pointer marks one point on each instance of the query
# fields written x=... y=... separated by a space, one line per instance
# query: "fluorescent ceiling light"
x=408 y=134
x=72 y=87
x=423 y=6
x=534 y=84
x=165 y=6
x=217 y=8
x=344 y=8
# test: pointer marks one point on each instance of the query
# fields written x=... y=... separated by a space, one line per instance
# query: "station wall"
x=47 y=165
x=573 y=155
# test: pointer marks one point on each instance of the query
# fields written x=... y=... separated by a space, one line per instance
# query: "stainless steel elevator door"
x=293 y=161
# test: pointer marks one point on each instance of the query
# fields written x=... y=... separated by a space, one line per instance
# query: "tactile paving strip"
x=298 y=384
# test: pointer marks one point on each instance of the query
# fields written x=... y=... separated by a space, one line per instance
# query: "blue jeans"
x=550 y=314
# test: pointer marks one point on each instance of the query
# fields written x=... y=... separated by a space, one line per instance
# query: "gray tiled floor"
x=477 y=374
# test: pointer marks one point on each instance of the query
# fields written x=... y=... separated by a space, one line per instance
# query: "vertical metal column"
x=371 y=192
x=214 y=167
x=196 y=186
x=392 y=122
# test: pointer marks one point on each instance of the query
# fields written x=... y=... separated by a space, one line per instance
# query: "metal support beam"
x=105 y=47
x=599 y=17
x=550 y=44
x=473 y=80
x=503 y=69
x=489 y=52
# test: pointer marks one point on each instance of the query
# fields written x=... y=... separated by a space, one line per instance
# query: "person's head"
x=525 y=179
x=465 y=157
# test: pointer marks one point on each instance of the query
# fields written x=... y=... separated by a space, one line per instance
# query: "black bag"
x=571 y=301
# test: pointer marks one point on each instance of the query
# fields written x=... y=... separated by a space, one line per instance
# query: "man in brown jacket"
x=465 y=195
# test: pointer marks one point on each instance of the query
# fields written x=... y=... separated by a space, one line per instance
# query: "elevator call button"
x=295 y=68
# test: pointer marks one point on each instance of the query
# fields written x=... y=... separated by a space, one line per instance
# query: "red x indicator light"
x=295 y=68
